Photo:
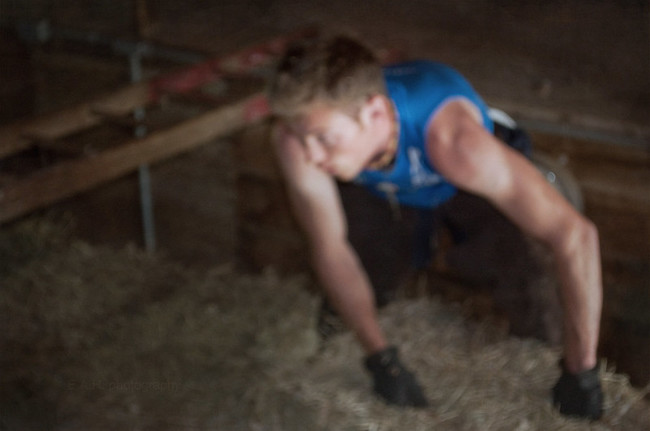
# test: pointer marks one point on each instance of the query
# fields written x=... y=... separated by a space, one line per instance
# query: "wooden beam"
x=66 y=179
x=19 y=136
x=576 y=124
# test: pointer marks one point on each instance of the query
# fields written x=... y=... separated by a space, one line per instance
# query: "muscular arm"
x=316 y=203
x=471 y=158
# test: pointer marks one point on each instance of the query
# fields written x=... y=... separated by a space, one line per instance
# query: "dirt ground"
x=573 y=57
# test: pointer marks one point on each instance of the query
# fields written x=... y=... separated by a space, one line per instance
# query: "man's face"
x=334 y=141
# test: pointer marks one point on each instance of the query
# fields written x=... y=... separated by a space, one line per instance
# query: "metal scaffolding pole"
x=144 y=175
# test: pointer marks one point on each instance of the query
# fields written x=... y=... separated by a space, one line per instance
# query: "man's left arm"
x=467 y=155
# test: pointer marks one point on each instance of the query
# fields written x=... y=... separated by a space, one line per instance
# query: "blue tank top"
x=418 y=89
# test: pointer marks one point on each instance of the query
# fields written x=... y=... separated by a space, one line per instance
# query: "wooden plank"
x=576 y=124
x=592 y=152
x=624 y=235
x=68 y=178
x=610 y=175
x=19 y=136
x=616 y=192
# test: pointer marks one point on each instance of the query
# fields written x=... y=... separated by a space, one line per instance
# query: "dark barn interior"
x=152 y=277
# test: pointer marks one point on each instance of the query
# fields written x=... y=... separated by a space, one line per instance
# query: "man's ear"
x=373 y=109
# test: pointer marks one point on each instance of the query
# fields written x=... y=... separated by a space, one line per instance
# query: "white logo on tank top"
x=419 y=176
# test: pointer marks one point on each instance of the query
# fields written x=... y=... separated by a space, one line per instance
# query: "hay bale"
x=95 y=338
x=474 y=376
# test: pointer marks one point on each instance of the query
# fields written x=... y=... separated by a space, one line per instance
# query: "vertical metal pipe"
x=144 y=176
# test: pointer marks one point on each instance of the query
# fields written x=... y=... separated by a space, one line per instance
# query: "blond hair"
x=339 y=72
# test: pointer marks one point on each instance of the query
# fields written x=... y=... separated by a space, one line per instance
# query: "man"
x=416 y=133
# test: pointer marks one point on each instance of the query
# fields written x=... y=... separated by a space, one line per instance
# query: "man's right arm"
x=317 y=206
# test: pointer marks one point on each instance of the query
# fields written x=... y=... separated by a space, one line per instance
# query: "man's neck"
x=386 y=156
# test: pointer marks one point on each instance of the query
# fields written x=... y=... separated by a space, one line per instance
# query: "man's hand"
x=394 y=383
x=579 y=394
